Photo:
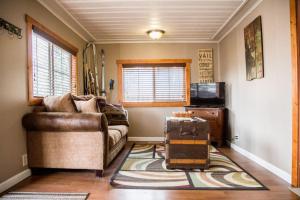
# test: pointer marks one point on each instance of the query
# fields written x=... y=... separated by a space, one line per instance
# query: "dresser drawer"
x=215 y=118
x=206 y=114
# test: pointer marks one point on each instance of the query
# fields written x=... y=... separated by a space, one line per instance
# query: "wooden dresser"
x=215 y=117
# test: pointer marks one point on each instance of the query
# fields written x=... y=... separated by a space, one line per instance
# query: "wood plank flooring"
x=99 y=188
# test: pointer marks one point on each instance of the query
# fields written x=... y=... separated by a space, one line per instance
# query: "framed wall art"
x=254 y=50
x=206 y=66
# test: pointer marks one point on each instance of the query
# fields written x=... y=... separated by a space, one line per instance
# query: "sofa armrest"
x=61 y=121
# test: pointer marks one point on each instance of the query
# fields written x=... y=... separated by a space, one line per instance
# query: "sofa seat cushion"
x=122 y=128
x=116 y=133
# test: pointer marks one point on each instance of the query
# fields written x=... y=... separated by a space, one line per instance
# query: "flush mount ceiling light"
x=155 y=34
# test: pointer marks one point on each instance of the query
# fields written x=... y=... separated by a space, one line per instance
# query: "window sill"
x=155 y=104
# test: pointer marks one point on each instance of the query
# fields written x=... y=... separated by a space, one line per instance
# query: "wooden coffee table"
x=187 y=143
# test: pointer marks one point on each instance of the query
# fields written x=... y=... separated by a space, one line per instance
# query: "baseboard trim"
x=14 y=180
x=146 y=139
x=270 y=167
x=295 y=190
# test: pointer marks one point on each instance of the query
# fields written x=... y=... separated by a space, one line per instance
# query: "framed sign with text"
x=206 y=66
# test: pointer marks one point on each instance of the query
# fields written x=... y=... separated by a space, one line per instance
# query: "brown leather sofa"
x=72 y=140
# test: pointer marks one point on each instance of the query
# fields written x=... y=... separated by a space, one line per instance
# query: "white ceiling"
x=117 y=21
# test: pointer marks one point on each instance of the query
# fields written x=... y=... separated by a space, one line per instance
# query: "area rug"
x=44 y=196
x=145 y=168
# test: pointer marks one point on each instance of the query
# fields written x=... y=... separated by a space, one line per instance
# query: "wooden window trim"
x=54 y=38
x=186 y=62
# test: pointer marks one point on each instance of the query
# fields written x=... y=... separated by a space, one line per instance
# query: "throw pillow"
x=115 y=114
x=87 y=106
x=64 y=103
x=101 y=101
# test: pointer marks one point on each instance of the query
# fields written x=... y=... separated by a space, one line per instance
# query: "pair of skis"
x=91 y=83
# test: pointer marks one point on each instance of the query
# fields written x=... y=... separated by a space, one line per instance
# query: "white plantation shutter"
x=170 y=84
x=41 y=66
x=62 y=71
x=155 y=83
x=52 y=68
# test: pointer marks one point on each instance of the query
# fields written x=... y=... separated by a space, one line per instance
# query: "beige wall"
x=13 y=82
x=260 y=110
x=149 y=122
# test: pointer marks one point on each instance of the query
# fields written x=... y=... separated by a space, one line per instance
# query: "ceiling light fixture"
x=155 y=34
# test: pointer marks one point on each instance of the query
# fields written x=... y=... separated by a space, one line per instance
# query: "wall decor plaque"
x=206 y=66
x=254 y=50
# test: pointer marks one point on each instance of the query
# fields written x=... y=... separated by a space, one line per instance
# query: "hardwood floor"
x=99 y=188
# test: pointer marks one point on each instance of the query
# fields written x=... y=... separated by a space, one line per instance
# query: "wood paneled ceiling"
x=119 y=21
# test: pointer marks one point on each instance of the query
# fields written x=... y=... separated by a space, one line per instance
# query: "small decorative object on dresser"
x=187 y=143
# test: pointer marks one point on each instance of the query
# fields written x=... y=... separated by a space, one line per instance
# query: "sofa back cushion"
x=83 y=97
x=99 y=99
x=87 y=106
x=64 y=103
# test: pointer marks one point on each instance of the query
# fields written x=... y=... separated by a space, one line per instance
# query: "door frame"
x=295 y=45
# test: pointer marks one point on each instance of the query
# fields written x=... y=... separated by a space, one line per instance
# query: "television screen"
x=207 y=90
x=205 y=94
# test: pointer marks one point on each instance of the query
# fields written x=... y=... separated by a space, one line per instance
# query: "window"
x=52 y=66
x=154 y=82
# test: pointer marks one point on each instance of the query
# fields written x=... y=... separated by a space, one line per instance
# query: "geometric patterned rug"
x=44 y=196
x=145 y=168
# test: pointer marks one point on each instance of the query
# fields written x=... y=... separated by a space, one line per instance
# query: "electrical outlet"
x=236 y=137
x=24 y=160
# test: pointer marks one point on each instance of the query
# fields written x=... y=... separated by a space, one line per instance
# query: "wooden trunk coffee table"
x=187 y=143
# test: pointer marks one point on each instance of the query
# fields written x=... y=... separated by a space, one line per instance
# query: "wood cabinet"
x=216 y=119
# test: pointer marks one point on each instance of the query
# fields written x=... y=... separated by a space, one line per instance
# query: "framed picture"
x=206 y=66
x=254 y=50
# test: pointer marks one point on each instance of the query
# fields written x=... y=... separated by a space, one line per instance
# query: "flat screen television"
x=208 y=94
